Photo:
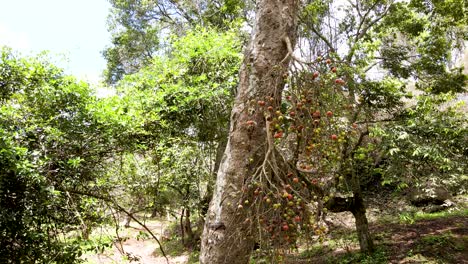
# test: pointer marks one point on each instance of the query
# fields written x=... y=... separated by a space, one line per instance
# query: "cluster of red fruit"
x=284 y=211
x=278 y=118
x=316 y=123
x=285 y=219
x=334 y=70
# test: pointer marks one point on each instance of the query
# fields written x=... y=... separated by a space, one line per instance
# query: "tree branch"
x=360 y=34
x=120 y=208
x=322 y=37
x=290 y=53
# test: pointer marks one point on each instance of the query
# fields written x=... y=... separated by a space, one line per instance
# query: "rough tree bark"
x=227 y=237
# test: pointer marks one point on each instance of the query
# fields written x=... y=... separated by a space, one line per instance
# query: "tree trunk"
x=356 y=206
x=182 y=229
x=227 y=236
x=128 y=219
x=205 y=202
x=188 y=228
x=154 y=212
x=362 y=226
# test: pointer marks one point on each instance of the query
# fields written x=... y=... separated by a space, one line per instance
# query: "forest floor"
x=133 y=246
x=437 y=240
x=401 y=234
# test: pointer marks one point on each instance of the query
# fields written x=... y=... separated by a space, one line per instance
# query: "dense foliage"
x=53 y=139
x=139 y=28
x=373 y=98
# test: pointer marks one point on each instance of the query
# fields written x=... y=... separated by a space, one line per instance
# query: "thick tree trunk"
x=227 y=236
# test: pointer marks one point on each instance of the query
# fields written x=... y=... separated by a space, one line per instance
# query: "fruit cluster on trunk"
x=227 y=236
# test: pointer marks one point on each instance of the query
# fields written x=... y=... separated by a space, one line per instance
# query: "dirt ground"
x=136 y=249
x=443 y=240
x=430 y=241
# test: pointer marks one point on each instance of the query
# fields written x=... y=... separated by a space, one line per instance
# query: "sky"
x=74 y=31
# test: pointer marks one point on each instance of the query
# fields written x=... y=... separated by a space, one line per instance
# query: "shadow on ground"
x=442 y=240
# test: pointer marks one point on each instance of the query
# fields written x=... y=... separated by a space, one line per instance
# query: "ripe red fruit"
x=316 y=114
x=329 y=113
x=278 y=134
x=290 y=197
x=297 y=219
x=285 y=227
x=314 y=181
x=340 y=81
x=316 y=74
x=261 y=103
x=292 y=113
x=334 y=137
x=328 y=61
x=296 y=180
x=333 y=69
x=270 y=108
x=299 y=105
x=250 y=123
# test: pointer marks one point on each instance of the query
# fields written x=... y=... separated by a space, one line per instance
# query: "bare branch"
x=120 y=208
x=322 y=37
x=290 y=53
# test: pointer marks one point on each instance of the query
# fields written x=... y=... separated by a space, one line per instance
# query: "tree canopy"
x=243 y=120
